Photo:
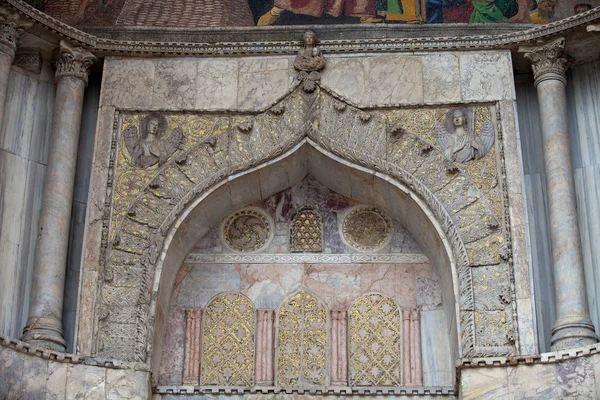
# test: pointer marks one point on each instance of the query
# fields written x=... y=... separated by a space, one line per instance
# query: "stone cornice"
x=73 y=61
x=235 y=42
x=547 y=60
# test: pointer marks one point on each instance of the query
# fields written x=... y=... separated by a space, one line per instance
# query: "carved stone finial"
x=11 y=27
x=547 y=61
x=73 y=61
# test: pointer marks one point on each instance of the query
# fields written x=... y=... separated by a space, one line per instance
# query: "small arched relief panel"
x=306 y=231
x=302 y=341
x=375 y=341
x=228 y=341
x=247 y=230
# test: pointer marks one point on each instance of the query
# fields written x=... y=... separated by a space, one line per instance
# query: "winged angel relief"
x=459 y=143
x=150 y=146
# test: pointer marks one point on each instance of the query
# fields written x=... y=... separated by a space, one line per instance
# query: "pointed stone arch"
x=151 y=209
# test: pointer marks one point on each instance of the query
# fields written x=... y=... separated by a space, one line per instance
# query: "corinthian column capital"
x=11 y=27
x=73 y=61
x=548 y=60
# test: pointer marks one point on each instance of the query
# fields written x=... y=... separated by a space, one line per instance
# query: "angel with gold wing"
x=150 y=146
x=458 y=142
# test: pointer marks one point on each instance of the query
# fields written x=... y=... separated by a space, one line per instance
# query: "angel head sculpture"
x=459 y=142
x=150 y=146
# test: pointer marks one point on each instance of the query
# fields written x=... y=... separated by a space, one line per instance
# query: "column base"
x=570 y=335
x=46 y=333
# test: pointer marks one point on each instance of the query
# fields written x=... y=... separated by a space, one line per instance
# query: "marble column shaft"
x=11 y=28
x=193 y=346
x=44 y=327
x=265 y=347
x=573 y=326
x=339 y=348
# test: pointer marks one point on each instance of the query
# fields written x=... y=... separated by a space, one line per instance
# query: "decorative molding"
x=398 y=258
x=547 y=61
x=73 y=61
x=171 y=46
x=397 y=391
x=193 y=346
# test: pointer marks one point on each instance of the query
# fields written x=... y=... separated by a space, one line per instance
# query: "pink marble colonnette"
x=339 y=348
x=265 y=347
x=193 y=346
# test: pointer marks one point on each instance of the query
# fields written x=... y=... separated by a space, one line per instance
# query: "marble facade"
x=200 y=169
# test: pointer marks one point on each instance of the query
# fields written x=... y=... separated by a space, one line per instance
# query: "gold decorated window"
x=306 y=231
x=302 y=341
x=228 y=341
x=374 y=342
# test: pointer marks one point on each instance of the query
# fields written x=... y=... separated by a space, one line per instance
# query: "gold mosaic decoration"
x=366 y=228
x=247 y=230
x=228 y=341
x=302 y=341
x=306 y=231
x=375 y=342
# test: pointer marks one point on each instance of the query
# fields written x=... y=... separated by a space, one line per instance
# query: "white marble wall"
x=24 y=139
x=583 y=97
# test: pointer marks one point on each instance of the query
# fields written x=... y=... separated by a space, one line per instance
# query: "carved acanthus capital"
x=548 y=60
x=73 y=61
x=11 y=28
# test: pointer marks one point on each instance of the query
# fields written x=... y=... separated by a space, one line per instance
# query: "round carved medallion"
x=247 y=230
x=366 y=228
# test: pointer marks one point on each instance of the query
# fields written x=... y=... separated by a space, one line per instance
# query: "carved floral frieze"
x=466 y=198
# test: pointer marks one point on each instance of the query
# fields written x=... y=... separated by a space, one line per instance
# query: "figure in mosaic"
x=365 y=9
x=150 y=146
x=458 y=142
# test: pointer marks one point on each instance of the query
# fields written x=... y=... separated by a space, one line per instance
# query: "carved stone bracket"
x=11 y=28
x=29 y=60
x=547 y=60
x=73 y=61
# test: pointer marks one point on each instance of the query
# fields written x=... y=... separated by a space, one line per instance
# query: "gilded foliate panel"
x=375 y=342
x=228 y=341
x=302 y=341
x=306 y=231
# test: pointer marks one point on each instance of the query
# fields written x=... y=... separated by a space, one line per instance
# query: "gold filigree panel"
x=228 y=341
x=302 y=341
x=366 y=228
x=375 y=342
x=306 y=231
x=247 y=230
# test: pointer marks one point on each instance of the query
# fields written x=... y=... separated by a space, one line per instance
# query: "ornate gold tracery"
x=302 y=341
x=375 y=342
x=228 y=341
x=306 y=231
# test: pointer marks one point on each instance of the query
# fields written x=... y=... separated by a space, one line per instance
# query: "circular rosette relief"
x=247 y=230
x=366 y=228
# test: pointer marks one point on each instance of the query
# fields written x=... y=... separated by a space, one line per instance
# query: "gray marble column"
x=44 y=327
x=573 y=326
x=11 y=27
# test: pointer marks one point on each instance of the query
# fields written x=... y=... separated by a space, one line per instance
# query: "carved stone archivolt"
x=306 y=231
x=247 y=230
x=470 y=204
x=366 y=228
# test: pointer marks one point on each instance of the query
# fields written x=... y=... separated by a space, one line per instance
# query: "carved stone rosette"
x=73 y=61
x=11 y=27
x=547 y=61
